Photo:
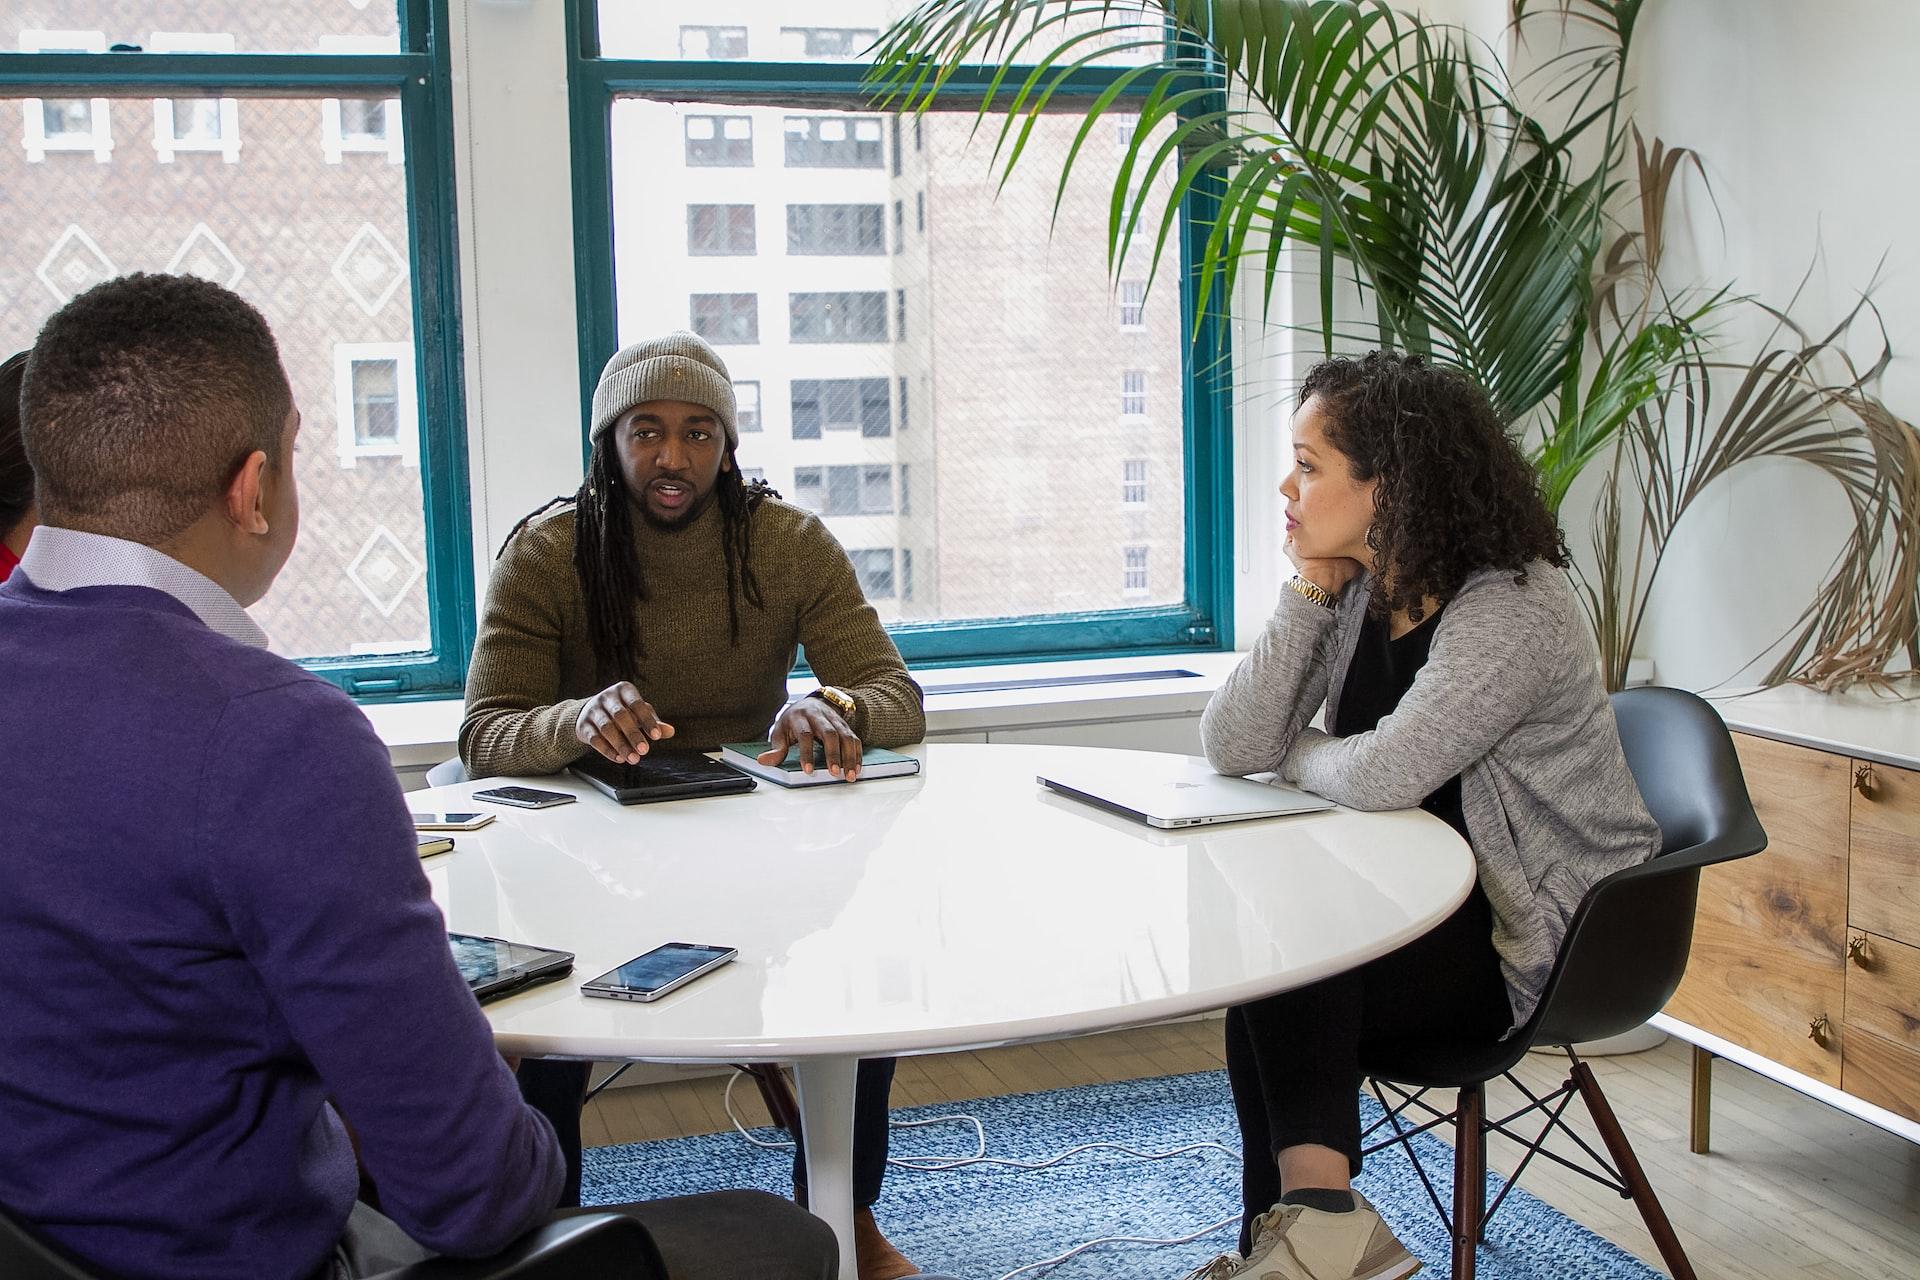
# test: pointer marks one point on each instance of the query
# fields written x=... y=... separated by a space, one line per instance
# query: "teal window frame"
x=420 y=76
x=1204 y=620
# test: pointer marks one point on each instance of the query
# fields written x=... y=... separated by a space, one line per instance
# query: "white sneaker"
x=1224 y=1267
x=1293 y=1242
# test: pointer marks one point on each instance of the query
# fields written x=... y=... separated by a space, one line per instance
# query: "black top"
x=1381 y=673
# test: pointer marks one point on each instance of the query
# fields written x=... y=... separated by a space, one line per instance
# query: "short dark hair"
x=1454 y=493
x=143 y=396
x=16 y=474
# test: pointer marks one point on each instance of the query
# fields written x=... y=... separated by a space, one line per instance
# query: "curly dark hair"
x=1454 y=493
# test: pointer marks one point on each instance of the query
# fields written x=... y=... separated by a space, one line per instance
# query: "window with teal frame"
x=991 y=311
x=317 y=182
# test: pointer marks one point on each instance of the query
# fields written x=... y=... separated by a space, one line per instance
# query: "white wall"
x=1805 y=118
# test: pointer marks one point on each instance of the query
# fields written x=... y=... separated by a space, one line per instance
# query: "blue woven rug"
x=981 y=1222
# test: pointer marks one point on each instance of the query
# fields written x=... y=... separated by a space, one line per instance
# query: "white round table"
x=961 y=908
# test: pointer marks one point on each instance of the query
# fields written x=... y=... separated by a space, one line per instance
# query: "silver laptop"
x=1175 y=791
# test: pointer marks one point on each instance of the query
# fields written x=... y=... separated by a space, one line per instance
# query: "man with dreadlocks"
x=660 y=606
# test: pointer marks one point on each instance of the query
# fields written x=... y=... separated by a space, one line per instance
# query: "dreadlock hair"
x=611 y=575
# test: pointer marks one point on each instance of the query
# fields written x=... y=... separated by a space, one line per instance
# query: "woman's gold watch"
x=839 y=699
x=1311 y=590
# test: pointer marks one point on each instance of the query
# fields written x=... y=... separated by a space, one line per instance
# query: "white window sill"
x=421 y=734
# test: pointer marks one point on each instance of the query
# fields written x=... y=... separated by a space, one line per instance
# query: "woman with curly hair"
x=1432 y=618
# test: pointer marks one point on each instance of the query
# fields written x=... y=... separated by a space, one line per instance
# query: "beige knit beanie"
x=679 y=366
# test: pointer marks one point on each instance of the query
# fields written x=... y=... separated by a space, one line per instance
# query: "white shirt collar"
x=66 y=559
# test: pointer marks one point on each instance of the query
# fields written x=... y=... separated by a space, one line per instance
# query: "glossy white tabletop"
x=963 y=907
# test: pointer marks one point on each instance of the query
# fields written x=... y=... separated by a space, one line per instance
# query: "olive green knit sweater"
x=533 y=669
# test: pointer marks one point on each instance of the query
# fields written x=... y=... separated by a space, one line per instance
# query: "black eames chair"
x=589 y=1246
x=1623 y=957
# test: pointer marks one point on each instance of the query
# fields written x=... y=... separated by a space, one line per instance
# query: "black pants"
x=556 y=1088
x=1294 y=1059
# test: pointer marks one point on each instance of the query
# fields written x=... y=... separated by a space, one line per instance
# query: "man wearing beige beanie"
x=661 y=606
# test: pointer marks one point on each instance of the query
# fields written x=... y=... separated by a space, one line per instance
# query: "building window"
x=827 y=42
x=906 y=502
x=1133 y=393
x=66 y=124
x=865 y=489
x=360 y=125
x=920 y=211
x=839 y=404
x=1133 y=482
x=807 y=488
x=1133 y=572
x=836 y=229
x=724 y=318
x=875 y=569
x=713 y=43
x=899 y=315
x=903 y=402
x=746 y=406
x=195 y=124
x=899 y=226
x=1125 y=123
x=838 y=317
x=906 y=573
x=373 y=391
x=833 y=142
x=1133 y=304
x=896 y=145
x=918 y=141
x=718 y=229
x=753 y=475
x=719 y=142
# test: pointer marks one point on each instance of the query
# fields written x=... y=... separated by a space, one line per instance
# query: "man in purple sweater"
x=221 y=950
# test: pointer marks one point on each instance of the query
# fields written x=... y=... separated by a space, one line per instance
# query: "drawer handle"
x=1863 y=780
x=1857 y=952
x=1817 y=1031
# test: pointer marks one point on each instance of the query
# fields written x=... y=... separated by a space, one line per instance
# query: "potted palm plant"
x=1511 y=230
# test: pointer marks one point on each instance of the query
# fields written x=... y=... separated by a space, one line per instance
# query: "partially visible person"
x=221 y=947
x=16 y=477
x=1433 y=619
x=661 y=607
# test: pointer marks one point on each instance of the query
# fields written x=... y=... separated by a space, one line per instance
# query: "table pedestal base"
x=826 y=1119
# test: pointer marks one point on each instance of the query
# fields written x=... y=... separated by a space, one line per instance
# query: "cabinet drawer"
x=1886 y=854
x=1769 y=936
x=1883 y=989
x=1884 y=1074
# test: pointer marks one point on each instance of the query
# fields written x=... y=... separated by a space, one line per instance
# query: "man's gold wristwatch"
x=839 y=699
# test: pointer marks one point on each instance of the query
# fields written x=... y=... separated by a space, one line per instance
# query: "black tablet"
x=665 y=775
x=493 y=966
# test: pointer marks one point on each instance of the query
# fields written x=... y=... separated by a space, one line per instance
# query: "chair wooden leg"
x=1611 y=1133
x=1469 y=1178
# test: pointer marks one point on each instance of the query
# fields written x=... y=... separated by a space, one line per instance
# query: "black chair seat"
x=1623 y=956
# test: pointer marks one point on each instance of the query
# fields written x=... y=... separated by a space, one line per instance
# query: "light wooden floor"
x=1792 y=1188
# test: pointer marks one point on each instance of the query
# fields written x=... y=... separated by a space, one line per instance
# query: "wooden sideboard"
x=1806 y=958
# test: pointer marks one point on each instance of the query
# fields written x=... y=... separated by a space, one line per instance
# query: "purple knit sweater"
x=214 y=925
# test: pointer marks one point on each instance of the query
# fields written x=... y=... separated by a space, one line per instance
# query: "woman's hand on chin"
x=1331 y=574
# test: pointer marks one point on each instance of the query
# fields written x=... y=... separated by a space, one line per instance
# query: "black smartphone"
x=663 y=969
x=524 y=797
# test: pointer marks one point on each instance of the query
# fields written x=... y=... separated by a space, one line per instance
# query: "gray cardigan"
x=1510 y=699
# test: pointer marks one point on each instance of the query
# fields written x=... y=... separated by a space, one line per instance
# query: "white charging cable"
x=941 y=1164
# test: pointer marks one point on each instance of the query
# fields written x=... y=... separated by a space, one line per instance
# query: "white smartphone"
x=663 y=969
x=524 y=797
x=468 y=820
